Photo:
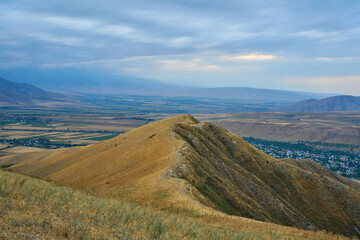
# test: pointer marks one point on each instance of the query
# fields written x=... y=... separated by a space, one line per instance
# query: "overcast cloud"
x=281 y=44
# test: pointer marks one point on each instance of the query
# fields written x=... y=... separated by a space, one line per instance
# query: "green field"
x=103 y=138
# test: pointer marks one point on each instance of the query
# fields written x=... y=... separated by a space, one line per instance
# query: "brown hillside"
x=336 y=103
x=332 y=127
x=205 y=166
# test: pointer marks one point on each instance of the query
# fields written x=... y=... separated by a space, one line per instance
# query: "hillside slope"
x=12 y=93
x=337 y=103
x=201 y=166
x=35 y=209
x=332 y=127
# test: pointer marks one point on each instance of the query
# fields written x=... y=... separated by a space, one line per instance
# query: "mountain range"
x=100 y=83
x=25 y=94
x=183 y=163
x=14 y=93
x=336 y=103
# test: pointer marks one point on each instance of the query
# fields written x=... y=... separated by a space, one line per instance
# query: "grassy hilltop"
x=31 y=208
x=181 y=166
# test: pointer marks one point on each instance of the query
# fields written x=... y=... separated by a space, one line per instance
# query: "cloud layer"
x=209 y=43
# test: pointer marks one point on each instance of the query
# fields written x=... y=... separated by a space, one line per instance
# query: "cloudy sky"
x=280 y=44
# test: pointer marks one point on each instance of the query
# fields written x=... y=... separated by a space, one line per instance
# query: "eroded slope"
x=241 y=180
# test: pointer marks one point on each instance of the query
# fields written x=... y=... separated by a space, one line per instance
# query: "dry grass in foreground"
x=35 y=209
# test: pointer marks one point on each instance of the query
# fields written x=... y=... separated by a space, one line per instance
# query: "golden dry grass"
x=179 y=165
x=22 y=149
x=32 y=208
x=65 y=137
x=141 y=153
x=3 y=146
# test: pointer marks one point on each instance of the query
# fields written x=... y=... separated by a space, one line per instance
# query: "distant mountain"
x=12 y=93
x=246 y=93
x=181 y=162
x=337 y=103
x=80 y=81
x=21 y=92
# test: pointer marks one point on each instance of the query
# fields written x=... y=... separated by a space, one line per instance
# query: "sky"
x=302 y=45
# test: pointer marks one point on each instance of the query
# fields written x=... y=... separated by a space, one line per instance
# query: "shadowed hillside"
x=201 y=166
x=12 y=93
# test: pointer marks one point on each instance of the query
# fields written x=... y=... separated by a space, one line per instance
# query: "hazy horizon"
x=298 y=46
x=42 y=76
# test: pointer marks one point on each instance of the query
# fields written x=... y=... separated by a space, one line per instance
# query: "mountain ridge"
x=20 y=94
x=203 y=166
x=17 y=92
x=93 y=82
x=335 y=103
